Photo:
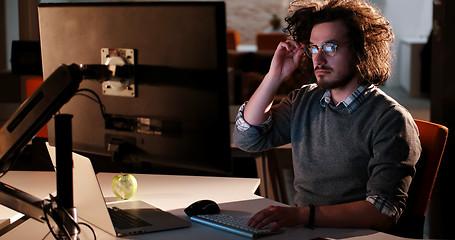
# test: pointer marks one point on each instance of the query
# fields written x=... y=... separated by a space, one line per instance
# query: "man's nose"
x=319 y=58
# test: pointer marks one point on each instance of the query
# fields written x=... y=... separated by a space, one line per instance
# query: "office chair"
x=232 y=39
x=269 y=41
x=433 y=139
x=31 y=85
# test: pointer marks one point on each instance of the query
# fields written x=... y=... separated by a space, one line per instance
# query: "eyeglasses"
x=329 y=49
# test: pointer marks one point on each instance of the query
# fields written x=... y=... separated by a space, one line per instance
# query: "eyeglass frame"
x=309 y=53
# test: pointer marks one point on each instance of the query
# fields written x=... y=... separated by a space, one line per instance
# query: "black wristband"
x=310 y=223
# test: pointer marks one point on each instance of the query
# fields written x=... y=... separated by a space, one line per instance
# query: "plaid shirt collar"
x=352 y=102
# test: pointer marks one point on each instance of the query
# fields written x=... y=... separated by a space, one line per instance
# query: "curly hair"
x=369 y=32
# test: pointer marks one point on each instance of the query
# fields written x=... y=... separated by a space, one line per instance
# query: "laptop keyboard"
x=231 y=224
x=124 y=220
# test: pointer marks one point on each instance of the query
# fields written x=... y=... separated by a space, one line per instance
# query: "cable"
x=91 y=229
x=97 y=99
x=51 y=208
x=48 y=210
x=45 y=236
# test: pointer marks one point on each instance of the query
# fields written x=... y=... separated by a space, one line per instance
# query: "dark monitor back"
x=179 y=116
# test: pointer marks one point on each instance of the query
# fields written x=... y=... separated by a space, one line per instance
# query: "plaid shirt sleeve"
x=385 y=207
x=242 y=125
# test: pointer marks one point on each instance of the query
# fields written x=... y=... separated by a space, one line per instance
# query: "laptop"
x=92 y=208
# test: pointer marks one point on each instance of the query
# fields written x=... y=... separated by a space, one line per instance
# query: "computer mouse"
x=202 y=207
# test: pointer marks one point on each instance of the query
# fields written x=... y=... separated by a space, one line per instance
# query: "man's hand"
x=358 y=214
x=281 y=216
x=286 y=59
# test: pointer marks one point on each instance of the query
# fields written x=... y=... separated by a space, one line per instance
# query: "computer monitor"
x=176 y=113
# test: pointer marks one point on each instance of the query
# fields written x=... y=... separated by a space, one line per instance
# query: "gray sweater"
x=340 y=155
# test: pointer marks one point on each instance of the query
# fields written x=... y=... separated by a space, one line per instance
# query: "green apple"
x=124 y=186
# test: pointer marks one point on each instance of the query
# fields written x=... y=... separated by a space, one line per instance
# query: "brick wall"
x=252 y=16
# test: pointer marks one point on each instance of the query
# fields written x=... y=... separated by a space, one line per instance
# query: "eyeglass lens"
x=328 y=49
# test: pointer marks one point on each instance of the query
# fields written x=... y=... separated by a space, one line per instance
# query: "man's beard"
x=341 y=82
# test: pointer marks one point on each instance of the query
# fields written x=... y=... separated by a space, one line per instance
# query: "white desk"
x=39 y=184
x=174 y=193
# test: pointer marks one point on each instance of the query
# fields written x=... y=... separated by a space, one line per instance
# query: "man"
x=354 y=148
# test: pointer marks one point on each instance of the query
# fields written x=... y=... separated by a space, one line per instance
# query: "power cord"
x=52 y=213
x=95 y=98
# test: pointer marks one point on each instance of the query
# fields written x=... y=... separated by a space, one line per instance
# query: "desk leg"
x=262 y=166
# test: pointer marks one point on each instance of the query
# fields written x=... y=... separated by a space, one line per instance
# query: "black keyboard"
x=231 y=224
x=124 y=220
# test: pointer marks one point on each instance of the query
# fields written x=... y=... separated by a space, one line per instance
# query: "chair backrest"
x=232 y=39
x=433 y=139
x=269 y=41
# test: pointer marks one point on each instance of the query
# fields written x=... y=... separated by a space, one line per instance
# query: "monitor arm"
x=21 y=201
x=59 y=213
